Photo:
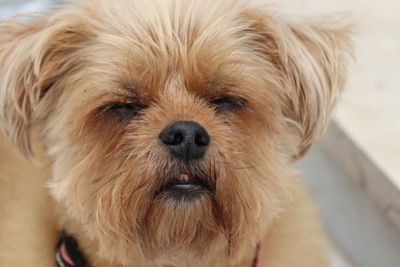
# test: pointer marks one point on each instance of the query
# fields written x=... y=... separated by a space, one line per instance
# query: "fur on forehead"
x=209 y=45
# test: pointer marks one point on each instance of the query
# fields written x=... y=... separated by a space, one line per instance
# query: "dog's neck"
x=68 y=253
x=89 y=248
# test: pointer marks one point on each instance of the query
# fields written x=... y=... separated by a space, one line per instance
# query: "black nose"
x=186 y=140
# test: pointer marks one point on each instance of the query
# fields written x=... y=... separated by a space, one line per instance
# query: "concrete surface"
x=357 y=226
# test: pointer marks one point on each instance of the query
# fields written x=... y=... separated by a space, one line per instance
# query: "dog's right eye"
x=121 y=110
x=227 y=103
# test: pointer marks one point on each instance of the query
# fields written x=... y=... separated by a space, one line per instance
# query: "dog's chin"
x=182 y=216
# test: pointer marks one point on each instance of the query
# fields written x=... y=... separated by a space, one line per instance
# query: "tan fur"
x=59 y=72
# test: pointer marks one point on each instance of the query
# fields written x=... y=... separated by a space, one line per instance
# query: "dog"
x=164 y=133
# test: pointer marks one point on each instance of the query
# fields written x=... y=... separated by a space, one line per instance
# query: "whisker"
x=247 y=167
x=103 y=185
x=225 y=163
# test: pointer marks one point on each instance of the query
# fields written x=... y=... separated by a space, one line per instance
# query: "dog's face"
x=172 y=124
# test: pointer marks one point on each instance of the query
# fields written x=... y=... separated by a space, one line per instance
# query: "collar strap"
x=258 y=258
x=68 y=254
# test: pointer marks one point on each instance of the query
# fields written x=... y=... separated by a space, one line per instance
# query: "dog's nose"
x=186 y=140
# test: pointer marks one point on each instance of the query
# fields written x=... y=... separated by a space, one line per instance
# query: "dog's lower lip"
x=187 y=183
x=186 y=186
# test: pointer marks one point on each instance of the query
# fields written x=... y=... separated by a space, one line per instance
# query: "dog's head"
x=172 y=124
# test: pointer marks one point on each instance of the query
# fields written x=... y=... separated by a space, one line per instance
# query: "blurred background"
x=354 y=174
x=11 y=7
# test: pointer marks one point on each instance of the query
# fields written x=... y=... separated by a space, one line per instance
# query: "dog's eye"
x=122 y=110
x=227 y=103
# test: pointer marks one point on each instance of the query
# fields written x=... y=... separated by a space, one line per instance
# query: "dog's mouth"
x=187 y=186
x=188 y=183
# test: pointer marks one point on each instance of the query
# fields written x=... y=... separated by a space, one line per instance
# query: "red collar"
x=258 y=258
x=68 y=253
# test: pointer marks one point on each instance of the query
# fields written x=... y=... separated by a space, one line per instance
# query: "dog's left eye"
x=227 y=103
x=122 y=110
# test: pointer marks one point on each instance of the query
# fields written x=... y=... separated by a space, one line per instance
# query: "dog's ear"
x=311 y=57
x=314 y=57
x=35 y=53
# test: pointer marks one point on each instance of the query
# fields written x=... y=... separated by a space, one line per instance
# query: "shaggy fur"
x=85 y=93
